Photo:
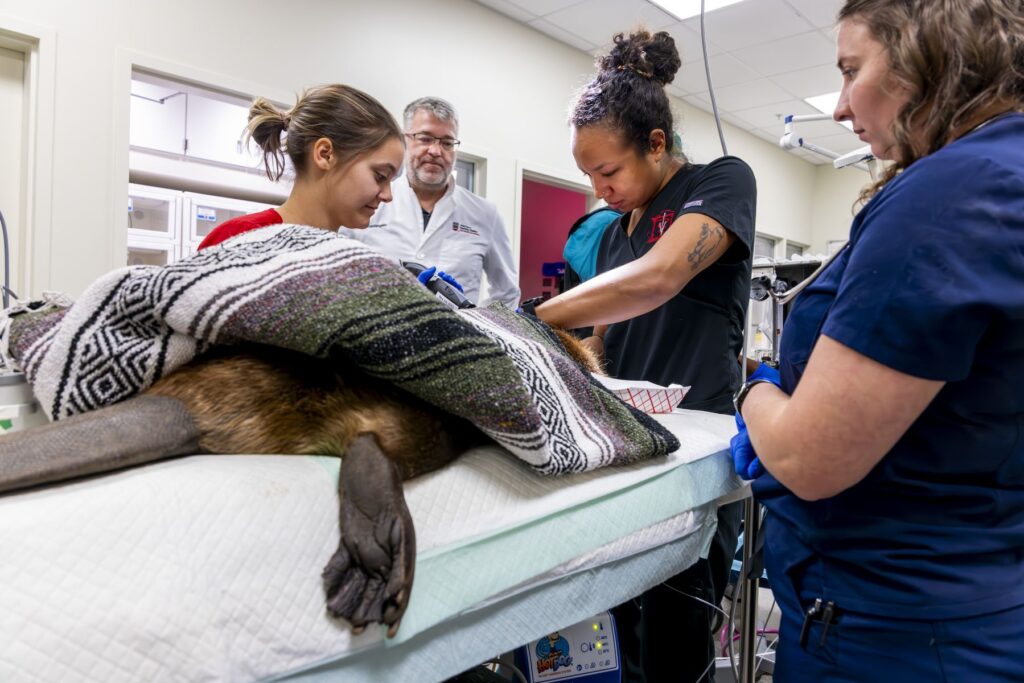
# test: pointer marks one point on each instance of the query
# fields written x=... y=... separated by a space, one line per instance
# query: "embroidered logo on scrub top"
x=462 y=227
x=659 y=224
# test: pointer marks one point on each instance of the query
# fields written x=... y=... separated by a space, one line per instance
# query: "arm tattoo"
x=710 y=238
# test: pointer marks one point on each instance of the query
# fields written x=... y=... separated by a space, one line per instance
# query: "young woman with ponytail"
x=346 y=149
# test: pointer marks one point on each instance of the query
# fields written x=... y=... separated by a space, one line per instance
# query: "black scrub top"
x=696 y=337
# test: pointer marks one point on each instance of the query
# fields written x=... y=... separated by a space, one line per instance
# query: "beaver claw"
x=369 y=578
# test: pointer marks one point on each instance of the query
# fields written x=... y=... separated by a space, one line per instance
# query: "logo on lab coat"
x=659 y=224
x=462 y=227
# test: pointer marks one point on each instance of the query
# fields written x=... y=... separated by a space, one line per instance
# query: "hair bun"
x=649 y=56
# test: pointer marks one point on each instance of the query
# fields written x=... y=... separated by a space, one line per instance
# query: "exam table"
x=208 y=567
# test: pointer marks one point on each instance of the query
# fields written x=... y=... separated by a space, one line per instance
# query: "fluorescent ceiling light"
x=684 y=9
x=826 y=104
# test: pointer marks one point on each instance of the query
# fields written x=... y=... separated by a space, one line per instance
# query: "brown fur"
x=295 y=404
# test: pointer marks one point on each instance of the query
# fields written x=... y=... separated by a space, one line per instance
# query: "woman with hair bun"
x=346 y=149
x=668 y=303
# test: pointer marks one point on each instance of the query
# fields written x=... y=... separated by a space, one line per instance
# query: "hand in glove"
x=744 y=458
x=428 y=273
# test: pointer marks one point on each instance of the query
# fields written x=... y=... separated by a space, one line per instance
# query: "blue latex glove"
x=765 y=371
x=428 y=273
x=450 y=280
x=744 y=458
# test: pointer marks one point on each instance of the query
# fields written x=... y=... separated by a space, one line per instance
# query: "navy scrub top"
x=931 y=285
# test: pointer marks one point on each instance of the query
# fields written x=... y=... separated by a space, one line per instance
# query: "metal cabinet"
x=190 y=123
x=205 y=212
x=153 y=214
x=151 y=253
x=166 y=225
x=216 y=130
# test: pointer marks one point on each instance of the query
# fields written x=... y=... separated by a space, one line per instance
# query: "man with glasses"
x=433 y=221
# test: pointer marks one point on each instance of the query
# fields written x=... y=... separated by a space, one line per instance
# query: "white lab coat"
x=464 y=238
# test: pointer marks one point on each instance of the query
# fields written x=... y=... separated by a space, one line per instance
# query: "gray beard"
x=417 y=182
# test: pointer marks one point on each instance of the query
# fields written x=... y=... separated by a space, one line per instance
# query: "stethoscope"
x=780 y=291
x=762 y=288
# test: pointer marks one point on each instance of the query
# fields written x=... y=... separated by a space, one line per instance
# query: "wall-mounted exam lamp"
x=790 y=140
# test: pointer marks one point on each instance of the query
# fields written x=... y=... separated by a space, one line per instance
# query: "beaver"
x=253 y=399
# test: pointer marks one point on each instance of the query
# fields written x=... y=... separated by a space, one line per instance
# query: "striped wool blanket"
x=312 y=291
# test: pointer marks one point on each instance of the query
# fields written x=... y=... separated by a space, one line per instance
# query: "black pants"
x=666 y=636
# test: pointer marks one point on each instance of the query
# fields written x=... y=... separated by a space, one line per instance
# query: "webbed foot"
x=140 y=430
x=369 y=578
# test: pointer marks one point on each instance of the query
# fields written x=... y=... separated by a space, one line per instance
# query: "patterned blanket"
x=312 y=291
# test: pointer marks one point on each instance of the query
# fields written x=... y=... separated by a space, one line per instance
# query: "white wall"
x=511 y=84
x=784 y=181
x=833 y=203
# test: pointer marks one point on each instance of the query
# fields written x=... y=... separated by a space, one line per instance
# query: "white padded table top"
x=208 y=567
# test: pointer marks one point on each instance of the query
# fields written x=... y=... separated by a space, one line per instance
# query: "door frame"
x=549 y=176
x=35 y=232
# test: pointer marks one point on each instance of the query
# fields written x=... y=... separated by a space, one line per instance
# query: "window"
x=465 y=173
x=764 y=247
x=834 y=245
x=793 y=249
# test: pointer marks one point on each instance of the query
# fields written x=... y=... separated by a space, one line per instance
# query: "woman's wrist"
x=741 y=396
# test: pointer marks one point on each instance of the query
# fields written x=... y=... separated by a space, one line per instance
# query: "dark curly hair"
x=628 y=92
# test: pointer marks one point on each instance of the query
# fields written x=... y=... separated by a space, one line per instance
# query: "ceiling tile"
x=818 y=130
x=736 y=121
x=725 y=71
x=598 y=20
x=539 y=8
x=674 y=90
x=771 y=116
x=700 y=102
x=766 y=55
x=747 y=95
x=789 y=54
x=561 y=34
x=751 y=22
x=840 y=144
x=688 y=43
x=816 y=80
x=510 y=9
x=767 y=134
x=821 y=13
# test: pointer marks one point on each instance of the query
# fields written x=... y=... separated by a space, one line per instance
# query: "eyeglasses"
x=428 y=140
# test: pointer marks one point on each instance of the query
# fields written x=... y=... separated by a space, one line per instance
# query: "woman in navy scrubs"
x=893 y=437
